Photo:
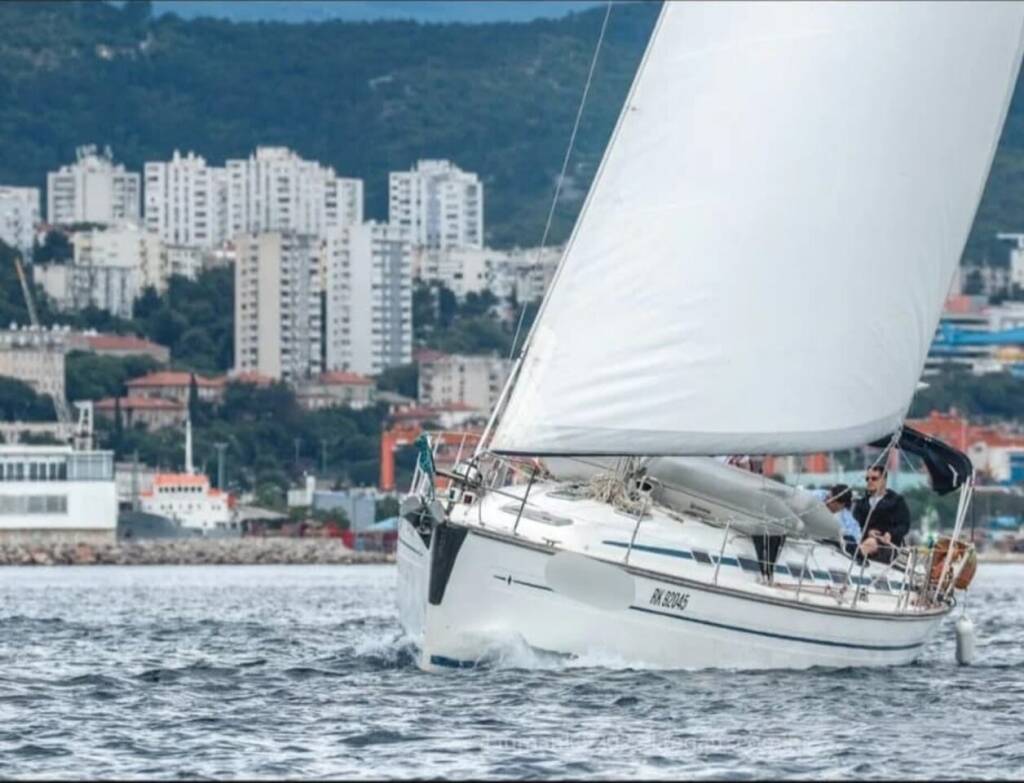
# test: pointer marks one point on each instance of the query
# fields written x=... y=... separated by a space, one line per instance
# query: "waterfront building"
x=92 y=190
x=186 y=201
x=368 y=292
x=19 y=215
x=35 y=356
x=277 y=305
x=440 y=204
x=473 y=381
x=336 y=389
x=276 y=190
x=54 y=494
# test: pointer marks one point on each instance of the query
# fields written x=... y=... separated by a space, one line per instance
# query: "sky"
x=367 y=10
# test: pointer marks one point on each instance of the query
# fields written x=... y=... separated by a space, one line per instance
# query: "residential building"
x=336 y=389
x=186 y=201
x=112 y=266
x=92 y=190
x=35 y=356
x=473 y=381
x=462 y=270
x=176 y=385
x=276 y=190
x=182 y=260
x=440 y=205
x=150 y=413
x=55 y=494
x=19 y=215
x=277 y=305
x=368 y=282
x=119 y=345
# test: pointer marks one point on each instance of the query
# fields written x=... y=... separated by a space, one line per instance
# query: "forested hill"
x=367 y=98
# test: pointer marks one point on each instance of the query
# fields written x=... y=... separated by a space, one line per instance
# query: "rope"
x=565 y=165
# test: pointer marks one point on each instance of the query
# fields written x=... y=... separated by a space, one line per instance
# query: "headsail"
x=762 y=259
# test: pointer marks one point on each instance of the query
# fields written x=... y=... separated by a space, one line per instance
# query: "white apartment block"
x=19 y=214
x=182 y=260
x=92 y=190
x=276 y=190
x=475 y=381
x=525 y=273
x=462 y=270
x=277 y=305
x=186 y=201
x=441 y=205
x=368 y=282
x=109 y=270
x=35 y=356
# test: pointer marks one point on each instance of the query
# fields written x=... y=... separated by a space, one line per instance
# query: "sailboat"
x=758 y=269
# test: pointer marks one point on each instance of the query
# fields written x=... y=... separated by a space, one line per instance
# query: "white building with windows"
x=440 y=205
x=368 y=286
x=186 y=201
x=475 y=381
x=35 y=356
x=92 y=190
x=277 y=305
x=19 y=215
x=52 y=493
x=276 y=190
x=109 y=270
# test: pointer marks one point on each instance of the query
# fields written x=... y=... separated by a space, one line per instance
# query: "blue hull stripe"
x=805 y=640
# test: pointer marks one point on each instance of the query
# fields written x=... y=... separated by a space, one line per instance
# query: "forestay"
x=761 y=263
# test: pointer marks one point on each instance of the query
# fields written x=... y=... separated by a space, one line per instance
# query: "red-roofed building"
x=153 y=413
x=991 y=449
x=119 y=345
x=336 y=389
x=175 y=385
x=250 y=377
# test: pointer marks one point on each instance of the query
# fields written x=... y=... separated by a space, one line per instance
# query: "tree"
x=403 y=379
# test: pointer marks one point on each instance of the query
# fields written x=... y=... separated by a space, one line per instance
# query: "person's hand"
x=886 y=537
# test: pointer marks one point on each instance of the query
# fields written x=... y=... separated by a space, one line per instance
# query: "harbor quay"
x=187 y=551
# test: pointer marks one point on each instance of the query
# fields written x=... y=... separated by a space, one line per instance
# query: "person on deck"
x=839 y=500
x=883 y=515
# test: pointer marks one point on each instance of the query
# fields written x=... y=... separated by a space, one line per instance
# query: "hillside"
x=366 y=98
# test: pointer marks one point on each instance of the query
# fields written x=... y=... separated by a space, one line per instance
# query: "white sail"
x=762 y=260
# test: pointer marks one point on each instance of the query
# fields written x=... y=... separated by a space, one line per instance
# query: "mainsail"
x=762 y=259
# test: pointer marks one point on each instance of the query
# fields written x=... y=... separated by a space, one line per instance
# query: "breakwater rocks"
x=191 y=551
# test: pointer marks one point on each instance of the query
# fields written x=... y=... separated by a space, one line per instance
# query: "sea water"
x=302 y=671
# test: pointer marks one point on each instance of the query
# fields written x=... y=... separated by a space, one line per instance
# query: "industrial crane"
x=82 y=433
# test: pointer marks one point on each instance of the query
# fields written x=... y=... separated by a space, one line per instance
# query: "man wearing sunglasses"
x=883 y=516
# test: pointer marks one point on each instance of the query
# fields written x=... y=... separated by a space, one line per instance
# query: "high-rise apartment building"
x=186 y=201
x=368 y=282
x=441 y=205
x=276 y=190
x=19 y=214
x=92 y=190
x=277 y=305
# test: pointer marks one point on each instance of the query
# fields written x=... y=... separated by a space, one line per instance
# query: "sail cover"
x=762 y=259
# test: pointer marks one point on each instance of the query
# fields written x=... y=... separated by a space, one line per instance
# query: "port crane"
x=80 y=432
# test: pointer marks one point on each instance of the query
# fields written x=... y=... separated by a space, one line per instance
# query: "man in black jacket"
x=883 y=516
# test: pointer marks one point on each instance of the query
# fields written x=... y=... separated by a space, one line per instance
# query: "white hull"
x=499 y=591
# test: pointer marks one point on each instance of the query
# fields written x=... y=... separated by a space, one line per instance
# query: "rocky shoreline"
x=192 y=551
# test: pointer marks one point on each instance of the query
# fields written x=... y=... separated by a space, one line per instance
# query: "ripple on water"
x=303 y=672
